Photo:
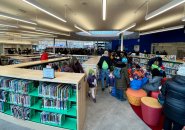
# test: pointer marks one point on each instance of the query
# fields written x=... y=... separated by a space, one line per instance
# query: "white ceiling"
x=87 y=14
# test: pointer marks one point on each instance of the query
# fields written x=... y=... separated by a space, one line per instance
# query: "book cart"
x=59 y=102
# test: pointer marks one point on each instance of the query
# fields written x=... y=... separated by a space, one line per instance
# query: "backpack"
x=124 y=60
x=105 y=65
x=117 y=72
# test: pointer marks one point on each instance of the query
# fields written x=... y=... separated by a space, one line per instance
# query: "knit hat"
x=106 y=53
x=91 y=71
x=181 y=70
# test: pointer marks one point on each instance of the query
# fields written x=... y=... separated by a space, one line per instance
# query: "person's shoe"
x=89 y=95
x=94 y=100
x=122 y=99
x=103 y=89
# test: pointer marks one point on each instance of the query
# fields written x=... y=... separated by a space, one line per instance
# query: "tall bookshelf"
x=72 y=116
x=171 y=67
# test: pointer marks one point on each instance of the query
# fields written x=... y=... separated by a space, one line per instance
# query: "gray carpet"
x=4 y=125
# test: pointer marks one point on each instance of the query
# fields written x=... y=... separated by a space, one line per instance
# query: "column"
x=54 y=45
x=122 y=42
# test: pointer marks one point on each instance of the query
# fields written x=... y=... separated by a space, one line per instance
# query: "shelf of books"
x=170 y=63
x=39 y=65
x=57 y=102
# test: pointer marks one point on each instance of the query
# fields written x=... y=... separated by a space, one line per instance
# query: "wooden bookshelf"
x=75 y=116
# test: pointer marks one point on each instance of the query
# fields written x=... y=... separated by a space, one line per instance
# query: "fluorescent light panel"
x=38 y=6
x=164 y=8
x=47 y=31
x=5 y=25
x=133 y=25
x=104 y=9
x=183 y=19
x=81 y=29
x=163 y=30
x=16 y=18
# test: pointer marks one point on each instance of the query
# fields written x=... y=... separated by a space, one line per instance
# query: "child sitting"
x=154 y=83
x=111 y=81
x=138 y=73
x=66 y=68
x=92 y=82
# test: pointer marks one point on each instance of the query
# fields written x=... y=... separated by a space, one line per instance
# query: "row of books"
x=55 y=91
x=55 y=104
x=170 y=71
x=17 y=85
x=21 y=112
x=3 y=95
x=171 y=65
x=1 y=106
x=53 y=118
x=20 y=99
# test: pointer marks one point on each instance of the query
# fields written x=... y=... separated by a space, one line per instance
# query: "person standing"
x=173 y=92
x=104 y=65
x=44 y=56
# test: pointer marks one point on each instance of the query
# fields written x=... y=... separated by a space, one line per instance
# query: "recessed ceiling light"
x=81 y=29
x=133 y=25
x=16 y=18
x=6 y=25
x=164 y=8
x=51 y=32
x=163 y=30
x=38 y=6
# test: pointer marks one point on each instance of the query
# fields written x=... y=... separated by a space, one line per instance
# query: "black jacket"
x=102 y=59
x=174 y=104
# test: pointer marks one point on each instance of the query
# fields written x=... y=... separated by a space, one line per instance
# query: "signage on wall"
x=136 y=48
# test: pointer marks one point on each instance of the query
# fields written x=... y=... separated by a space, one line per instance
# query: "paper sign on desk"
x=48 y=73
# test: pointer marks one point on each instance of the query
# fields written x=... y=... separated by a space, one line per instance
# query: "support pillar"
x=122 y=42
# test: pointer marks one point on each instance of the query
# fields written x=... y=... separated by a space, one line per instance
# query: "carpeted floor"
x=137 y=110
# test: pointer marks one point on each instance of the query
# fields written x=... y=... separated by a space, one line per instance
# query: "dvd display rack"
x=60 y=102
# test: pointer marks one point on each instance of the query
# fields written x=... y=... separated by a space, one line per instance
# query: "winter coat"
x=124 y=80
x=153 y=84
x=67 y=69
x=90 y=80
x=102 y=59
x=112 y=81
x=174 y=102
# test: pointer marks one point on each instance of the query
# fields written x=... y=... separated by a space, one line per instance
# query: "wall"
x=146 y=41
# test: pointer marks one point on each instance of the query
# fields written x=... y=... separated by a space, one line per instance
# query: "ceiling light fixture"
x=5 y=25
x=164 y=8
x=16 y=18
x=133 y=25
x=183 y=19
x=81 y=29
x=104 y=9
x=47 y=31
x=163 y=30
x=38 y=6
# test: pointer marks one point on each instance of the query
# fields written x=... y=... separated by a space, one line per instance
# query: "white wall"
x=170 y=48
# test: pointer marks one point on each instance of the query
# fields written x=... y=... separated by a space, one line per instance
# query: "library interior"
x=92 y=64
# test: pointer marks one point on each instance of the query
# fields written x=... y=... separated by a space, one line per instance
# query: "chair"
x=134 y=96
x=151 y=110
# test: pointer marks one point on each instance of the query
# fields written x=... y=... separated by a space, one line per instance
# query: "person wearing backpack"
x=104 y=65
x=122 y=79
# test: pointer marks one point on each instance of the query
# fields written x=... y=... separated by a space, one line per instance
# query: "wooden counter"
x=33 y=63
x=61 y=77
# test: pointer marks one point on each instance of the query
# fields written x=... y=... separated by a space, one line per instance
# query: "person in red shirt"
x=44 y=56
